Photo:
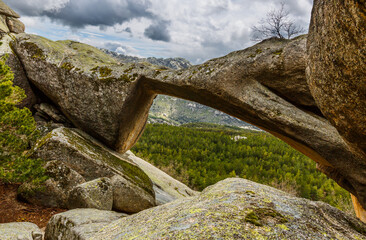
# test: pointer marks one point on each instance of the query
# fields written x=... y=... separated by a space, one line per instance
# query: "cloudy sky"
x=194 y=29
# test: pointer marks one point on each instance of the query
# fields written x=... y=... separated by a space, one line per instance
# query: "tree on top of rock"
x=277 y=23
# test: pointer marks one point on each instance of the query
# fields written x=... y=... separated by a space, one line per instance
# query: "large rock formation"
x=96 y=194
x=231 y=209
x=111 y=101
x=9 y=22
x=55 y=190
x=337 y=75
x=73 y=158
x=79 y=223
x=166 y=188
x=20 y=231
x=264 y=85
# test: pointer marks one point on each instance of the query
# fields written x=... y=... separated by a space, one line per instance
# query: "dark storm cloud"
x=79 y=13
x=158 y=31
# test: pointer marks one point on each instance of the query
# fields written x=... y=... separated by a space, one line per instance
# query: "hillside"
x=175 y=111
x=200 y=155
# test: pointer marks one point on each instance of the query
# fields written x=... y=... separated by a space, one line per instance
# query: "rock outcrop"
x=166 y=188
x=264 y=85
x=79 y=224
x=337 y=76
x=231 y=209
x=54 y=192
x=111 y=101
x=9 y=22
x=96 y=194
x=128 y=198
x=20 y=231
x=75 y=158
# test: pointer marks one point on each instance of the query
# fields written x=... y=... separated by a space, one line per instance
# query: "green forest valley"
x=200 y=154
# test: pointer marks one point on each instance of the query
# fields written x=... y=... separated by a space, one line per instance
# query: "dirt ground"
x=13 y=210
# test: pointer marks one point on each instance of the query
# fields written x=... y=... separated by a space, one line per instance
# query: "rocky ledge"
x=231 y=209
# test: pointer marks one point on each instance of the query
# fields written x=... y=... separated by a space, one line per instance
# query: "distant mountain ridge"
x=174 y=63
x=175 y=111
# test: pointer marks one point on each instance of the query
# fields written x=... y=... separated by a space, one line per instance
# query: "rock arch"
x=264 y=85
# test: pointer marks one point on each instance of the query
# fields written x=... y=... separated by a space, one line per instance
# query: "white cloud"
x=197 y=29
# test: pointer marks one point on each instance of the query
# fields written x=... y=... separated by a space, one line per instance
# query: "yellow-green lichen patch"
x=283 y=226
x=88 y=55
x=209 y=71
x=161 y=69
x=105 y=72
x=177 y=189
x=258 y=51
x=252 y=217
x=88 y=148
x=129 y=70
x=42 y=48
x=127 y=77
x=68 y=66
x=157 y=72
x=132 y=172
x=278 y=52
x=34 y=50
x=260 y=216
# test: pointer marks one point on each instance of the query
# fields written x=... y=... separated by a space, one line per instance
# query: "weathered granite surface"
x=80 y=224
x=237 y=209
x=20 y=230
x=337 y=78
x=81 y=158
x=96 y=194
x=111 y=101
x=166 y=188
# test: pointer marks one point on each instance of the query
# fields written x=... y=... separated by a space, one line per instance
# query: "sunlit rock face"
x=337 y=73
x=10 y=25
x=265 y=85
x=9 y=22
x=235 y=209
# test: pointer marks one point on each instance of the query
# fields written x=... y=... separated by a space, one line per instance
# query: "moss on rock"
x=226 y=211
x=69 y=146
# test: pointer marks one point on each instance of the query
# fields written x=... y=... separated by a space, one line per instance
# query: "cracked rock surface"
x=237 y=209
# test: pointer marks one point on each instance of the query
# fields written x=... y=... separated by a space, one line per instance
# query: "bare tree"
x=276 y=24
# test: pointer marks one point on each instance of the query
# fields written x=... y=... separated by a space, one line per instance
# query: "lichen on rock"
x=78 y=156
x=229 y=210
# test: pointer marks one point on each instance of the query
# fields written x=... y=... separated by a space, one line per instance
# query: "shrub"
x=17 y=131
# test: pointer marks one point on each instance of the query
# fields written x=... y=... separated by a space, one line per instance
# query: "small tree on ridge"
x=276 y=24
